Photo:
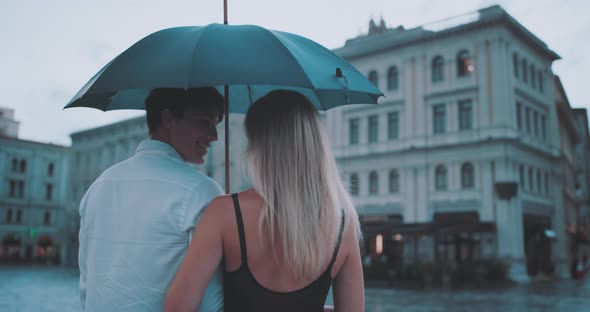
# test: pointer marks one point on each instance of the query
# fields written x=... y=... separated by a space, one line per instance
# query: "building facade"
x=32 y=199
x=459 y=161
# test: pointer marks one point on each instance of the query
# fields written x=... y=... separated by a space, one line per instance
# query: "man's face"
x=192 y=135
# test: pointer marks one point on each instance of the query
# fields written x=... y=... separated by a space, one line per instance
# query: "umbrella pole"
x=226 y=102
x=226 y=109
x=225 y=12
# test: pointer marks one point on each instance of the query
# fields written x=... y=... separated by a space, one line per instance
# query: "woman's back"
x=263 y=282
x=291 y=222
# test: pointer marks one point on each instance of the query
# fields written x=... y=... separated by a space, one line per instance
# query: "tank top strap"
x=241 y=232
x=338 y=242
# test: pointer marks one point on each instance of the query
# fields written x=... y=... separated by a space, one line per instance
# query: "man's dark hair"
x=177 y=100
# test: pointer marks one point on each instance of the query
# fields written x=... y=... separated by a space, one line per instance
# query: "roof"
x=400 y=37
x=96 y=130
x=17 y=140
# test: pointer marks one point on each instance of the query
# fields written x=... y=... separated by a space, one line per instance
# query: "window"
x=373 y=128
x=12 y=191
x=14 y=165
x=440 y=178
x=524 y=71
x=464 y=65
x=528 y=119
x=465 y=115
x=19 y=216
x=49 y=192
x=50 y=169
x=9 y=216
x=23 y=165
x=531 y=183
x=393 y=125
x=21 y=189
x=536 y=123
x=392 y=78
x=539 y=186
x=541 y=81
x=467 y=176
x=515 y=64
x=533 y=76
x=546 y=183
x=521 y=175
x=393 y=181
x=439 y=118
x=437 y=69
x=373 y=183
x=353 y=131
x=47 y=218
x=354 y=184
x=374 y=78
x=519 y=115
x=544 y=127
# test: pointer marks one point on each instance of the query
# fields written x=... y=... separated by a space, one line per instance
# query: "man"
x=137 y=217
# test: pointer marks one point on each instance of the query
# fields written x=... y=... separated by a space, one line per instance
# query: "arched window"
x=531 y=184
x=521 y=175
x=440 y=177
x=393 y=181
x=47 y=218
x=23 y=165
x=374 y=78
x=464 y=64
x=541 y=80
x=392 y=78
x=354 y=184
x=9 y=216
x=373 y=183
x=515 y=64
x=19 y=216
x=50 y=169
x=467 y=176
x=14 y=165
x=437 y=69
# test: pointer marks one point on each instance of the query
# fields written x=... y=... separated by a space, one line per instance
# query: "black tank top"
x=243 y=293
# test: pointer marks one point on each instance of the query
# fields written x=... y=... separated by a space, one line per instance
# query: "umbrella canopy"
x=251 y=59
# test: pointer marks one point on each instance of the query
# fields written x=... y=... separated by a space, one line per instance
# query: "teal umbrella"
x=250 y=60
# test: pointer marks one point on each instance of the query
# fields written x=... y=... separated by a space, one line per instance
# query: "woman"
x=284 y=241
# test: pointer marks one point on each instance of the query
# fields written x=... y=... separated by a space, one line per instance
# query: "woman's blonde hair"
x=292 y=167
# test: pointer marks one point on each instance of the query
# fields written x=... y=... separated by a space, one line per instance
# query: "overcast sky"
x=50 y=49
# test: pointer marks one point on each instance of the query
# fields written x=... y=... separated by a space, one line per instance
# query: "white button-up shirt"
x=136 y=222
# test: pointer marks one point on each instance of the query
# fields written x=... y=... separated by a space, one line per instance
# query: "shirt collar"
x=150 y=145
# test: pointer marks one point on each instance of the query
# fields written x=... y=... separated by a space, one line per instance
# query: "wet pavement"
x=39 y=289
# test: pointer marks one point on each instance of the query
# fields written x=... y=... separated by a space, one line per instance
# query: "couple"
x=156 y=235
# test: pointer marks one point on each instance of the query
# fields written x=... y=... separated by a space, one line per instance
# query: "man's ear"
x=167 y=118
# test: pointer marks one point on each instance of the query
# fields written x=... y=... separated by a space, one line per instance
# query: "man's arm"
x=82 y=254
x=203 y=194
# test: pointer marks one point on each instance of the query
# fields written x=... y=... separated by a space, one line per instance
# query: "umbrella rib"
x=276 y=36
x=193 y=58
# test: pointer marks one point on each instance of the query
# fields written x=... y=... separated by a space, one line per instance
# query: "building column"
x=510 y=240
x=509 y=223
x=560 y=249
